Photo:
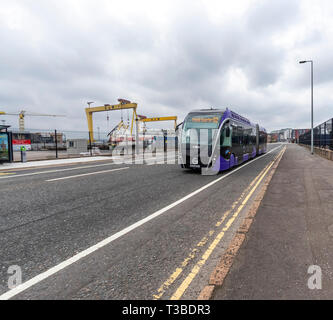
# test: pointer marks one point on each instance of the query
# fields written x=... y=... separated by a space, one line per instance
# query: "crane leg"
x=90 y=125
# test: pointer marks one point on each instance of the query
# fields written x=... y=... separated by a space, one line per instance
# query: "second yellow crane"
x=172 y=118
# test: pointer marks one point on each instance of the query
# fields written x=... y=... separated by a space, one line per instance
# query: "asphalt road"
x=48 y=215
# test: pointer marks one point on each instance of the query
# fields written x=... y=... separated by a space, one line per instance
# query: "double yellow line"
x=195 y=270
x=6 y=173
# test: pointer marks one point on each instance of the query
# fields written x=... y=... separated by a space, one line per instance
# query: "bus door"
x=226 y=141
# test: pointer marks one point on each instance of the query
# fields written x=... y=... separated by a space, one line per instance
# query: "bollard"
x=23 y=154
x=165 y=146
x=56 y=143
x=176 y=150
x=133 y=152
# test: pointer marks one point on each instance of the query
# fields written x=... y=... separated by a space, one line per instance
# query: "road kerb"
x=206 y=293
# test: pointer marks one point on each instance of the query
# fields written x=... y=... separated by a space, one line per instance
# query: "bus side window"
x=246 y=138
x=240 y=135
x=234 y=136
x=253 y=136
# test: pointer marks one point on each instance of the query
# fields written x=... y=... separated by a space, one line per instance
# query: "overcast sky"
x=168 y=56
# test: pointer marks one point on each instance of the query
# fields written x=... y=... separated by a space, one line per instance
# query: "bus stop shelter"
x=6 y=144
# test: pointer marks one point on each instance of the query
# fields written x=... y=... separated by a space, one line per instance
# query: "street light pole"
x=305 y=61
x=311 y=107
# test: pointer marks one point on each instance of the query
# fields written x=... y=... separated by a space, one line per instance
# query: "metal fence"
x=322 y=136
x=54 y=144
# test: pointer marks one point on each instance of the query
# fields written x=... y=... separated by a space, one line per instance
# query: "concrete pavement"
x=292 y=230
x=46 y=163
x=84 y=159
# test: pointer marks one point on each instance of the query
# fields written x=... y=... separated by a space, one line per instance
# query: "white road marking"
x=75 y=168
x=58 y=170
x=86 y=174
x=42 y=276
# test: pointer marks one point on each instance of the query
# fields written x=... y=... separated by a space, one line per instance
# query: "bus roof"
x=227 y=113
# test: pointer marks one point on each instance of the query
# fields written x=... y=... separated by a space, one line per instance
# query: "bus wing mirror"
x=227 y=132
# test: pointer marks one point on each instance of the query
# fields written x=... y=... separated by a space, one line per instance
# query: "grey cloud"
x=182 y=66
x=268 y=17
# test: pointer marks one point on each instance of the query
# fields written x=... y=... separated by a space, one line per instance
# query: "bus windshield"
x=204 y=126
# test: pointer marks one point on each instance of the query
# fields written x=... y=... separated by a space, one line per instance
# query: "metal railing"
x=54 y=144
x=322 y=136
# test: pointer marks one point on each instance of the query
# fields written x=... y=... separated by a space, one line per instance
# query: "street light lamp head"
x=304 y=61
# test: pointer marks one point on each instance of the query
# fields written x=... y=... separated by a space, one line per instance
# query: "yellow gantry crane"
x=123 y=104
x=173 y=118
x=24 y=113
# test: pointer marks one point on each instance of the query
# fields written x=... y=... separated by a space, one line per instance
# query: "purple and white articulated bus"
x=219 y=139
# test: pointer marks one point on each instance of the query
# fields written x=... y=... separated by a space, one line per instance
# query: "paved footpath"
x=292 y=230
x=84 y=159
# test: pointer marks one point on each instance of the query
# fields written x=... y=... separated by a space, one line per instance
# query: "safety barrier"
x=325 y=153
x=322 y=136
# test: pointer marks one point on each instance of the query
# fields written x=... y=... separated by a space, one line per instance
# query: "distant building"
x=296 y=133
x=76 y=146
x=286 y=135
x=282 y=135
x=60 y=139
